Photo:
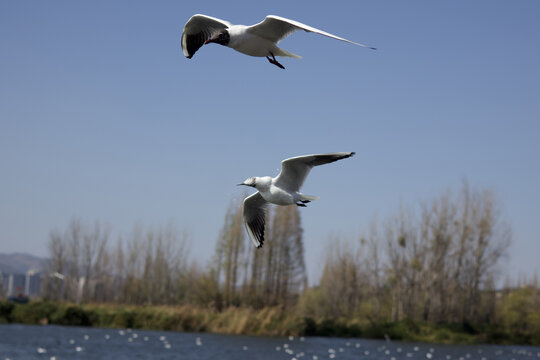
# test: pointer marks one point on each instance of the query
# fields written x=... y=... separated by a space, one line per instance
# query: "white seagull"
x=281 y=190
x=256 y=40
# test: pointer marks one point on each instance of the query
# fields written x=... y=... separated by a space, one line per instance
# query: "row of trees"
x=437 y=262
x=146 y=267
x=152 y=267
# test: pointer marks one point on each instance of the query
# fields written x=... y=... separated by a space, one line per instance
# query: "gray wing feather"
x=276 y=28
x=197 y=30
x=295 y=170
x=273 y=28
x=254 y=212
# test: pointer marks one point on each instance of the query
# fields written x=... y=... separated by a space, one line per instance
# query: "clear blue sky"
x=102 y=117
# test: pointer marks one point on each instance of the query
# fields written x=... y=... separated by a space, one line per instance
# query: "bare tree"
x=230 y=253
x=340 y=281
x=285 y=268
x=94 y=243
x=54 y=281
x=488 y=243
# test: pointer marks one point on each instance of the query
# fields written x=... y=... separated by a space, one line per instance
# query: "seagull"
x=281 y=190
x=256 y=40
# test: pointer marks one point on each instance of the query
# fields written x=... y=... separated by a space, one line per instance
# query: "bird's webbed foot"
x=274 y=61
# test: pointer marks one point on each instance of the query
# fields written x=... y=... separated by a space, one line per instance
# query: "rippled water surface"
x=63 y=342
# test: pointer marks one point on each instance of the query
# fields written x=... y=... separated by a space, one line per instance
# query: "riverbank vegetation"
x=515 y=326
x=427 y=273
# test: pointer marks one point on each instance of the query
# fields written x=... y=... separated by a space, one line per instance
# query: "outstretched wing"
x=255 y=217
x=197 y=30
x=295 y=170
x=276 y=28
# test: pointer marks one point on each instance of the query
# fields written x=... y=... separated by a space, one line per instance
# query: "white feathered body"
x=250 y=44
x=276 y=195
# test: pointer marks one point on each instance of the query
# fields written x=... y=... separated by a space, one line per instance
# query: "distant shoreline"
x=245 y=321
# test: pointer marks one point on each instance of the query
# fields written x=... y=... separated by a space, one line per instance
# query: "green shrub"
x=33 y=312
x=72 y=315
x=442 y=335
x=6 y=308
x=123 y=319
x=310 y=327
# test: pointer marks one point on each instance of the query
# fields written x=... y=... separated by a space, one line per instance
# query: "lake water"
x=63 y=342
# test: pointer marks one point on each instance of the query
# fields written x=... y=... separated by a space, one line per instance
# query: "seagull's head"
x=222 y=37
x=251 y=181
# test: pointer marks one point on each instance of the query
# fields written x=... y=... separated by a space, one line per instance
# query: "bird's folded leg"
x=274 y=61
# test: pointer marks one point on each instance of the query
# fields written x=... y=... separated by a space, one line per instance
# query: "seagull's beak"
x=240 y=184
x=211 y=40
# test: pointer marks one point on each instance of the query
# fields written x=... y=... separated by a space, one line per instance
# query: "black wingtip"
x=261 y=240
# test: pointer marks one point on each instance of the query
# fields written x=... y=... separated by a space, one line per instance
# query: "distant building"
x=33 y=283
x=28 y=284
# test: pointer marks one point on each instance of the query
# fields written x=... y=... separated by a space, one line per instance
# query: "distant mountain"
x=19 y=263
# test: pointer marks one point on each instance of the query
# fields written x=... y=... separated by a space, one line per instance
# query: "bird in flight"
x=281 y=190
x=256 y=40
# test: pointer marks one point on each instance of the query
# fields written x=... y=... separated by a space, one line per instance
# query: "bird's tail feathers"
x=309 y=197
x=286 y=53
